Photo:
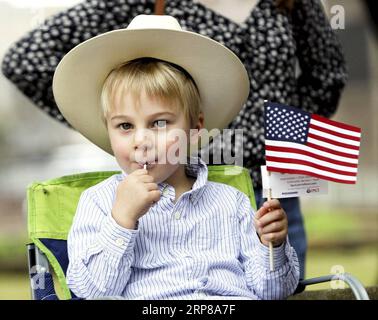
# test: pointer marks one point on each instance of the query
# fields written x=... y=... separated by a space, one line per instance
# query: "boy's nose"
x=143 y=140
x=144 y=150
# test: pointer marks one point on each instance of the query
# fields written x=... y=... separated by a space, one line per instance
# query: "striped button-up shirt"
x=203 y=246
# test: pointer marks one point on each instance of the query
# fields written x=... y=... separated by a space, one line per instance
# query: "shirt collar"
x=196 y=168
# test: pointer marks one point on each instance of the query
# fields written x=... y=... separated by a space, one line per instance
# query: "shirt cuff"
x=280 y=254
x=115 y=239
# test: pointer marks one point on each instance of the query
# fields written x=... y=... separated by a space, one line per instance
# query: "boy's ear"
x=195 y=135
x=201 y=121
x=195 y=131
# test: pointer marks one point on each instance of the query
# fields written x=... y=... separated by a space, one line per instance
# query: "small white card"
x=285 y=185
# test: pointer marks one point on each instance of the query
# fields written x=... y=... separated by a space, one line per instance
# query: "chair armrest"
x=358 y=289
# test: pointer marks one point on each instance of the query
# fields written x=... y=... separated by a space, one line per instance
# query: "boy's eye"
x=125 y=126
x=160 y=123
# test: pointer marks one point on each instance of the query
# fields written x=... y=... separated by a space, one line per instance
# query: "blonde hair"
x=159 y=79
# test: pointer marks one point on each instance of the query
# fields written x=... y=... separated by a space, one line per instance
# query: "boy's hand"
x=271 y=223
x=135 y=195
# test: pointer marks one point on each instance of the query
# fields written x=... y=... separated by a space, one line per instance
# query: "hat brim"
x=78 y=80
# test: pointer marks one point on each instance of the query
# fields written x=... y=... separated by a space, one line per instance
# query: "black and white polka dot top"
x=292 y=58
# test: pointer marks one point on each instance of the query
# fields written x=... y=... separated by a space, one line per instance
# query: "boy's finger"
x=259 y=213
x=154 y=195
x=139 y=172
x=274 y=237
x=275 y=226
x=269 y=217
x=152 y=186
x=268 y=206
x=272 y=204
x=146 y=178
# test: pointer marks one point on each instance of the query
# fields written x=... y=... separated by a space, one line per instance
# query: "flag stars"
x=286 y=124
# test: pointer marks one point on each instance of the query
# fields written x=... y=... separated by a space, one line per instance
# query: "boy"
x=160 y=230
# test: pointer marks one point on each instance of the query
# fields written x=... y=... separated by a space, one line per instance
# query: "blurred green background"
x=342 y=227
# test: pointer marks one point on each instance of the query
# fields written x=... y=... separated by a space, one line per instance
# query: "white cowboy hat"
x=220 y=76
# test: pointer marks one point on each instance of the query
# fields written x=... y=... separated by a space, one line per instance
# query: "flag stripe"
x=308 y=149
x=310 y=173
x=309 y=169
x=334 y=133
x=270 y=159
x=337 y=125
x=332 y=128
x=332 y=142
x=331 y=148
x=331 y=137
x=287 y=155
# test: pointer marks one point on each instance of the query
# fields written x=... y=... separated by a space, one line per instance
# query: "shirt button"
x=177 y=215
x=120 y=242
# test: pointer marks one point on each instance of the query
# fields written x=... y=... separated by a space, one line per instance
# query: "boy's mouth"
x=149 y=165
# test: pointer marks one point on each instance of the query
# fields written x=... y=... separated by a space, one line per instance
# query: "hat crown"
x=78 y=81
x=145 y=21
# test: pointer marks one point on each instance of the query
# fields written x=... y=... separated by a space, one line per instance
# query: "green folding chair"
x=52 y=206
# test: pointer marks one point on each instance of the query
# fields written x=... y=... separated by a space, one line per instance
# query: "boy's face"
x=149 y=131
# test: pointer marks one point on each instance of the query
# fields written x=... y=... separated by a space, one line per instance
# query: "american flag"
x=303 y=143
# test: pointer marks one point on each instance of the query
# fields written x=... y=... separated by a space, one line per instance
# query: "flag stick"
x=271 y=261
